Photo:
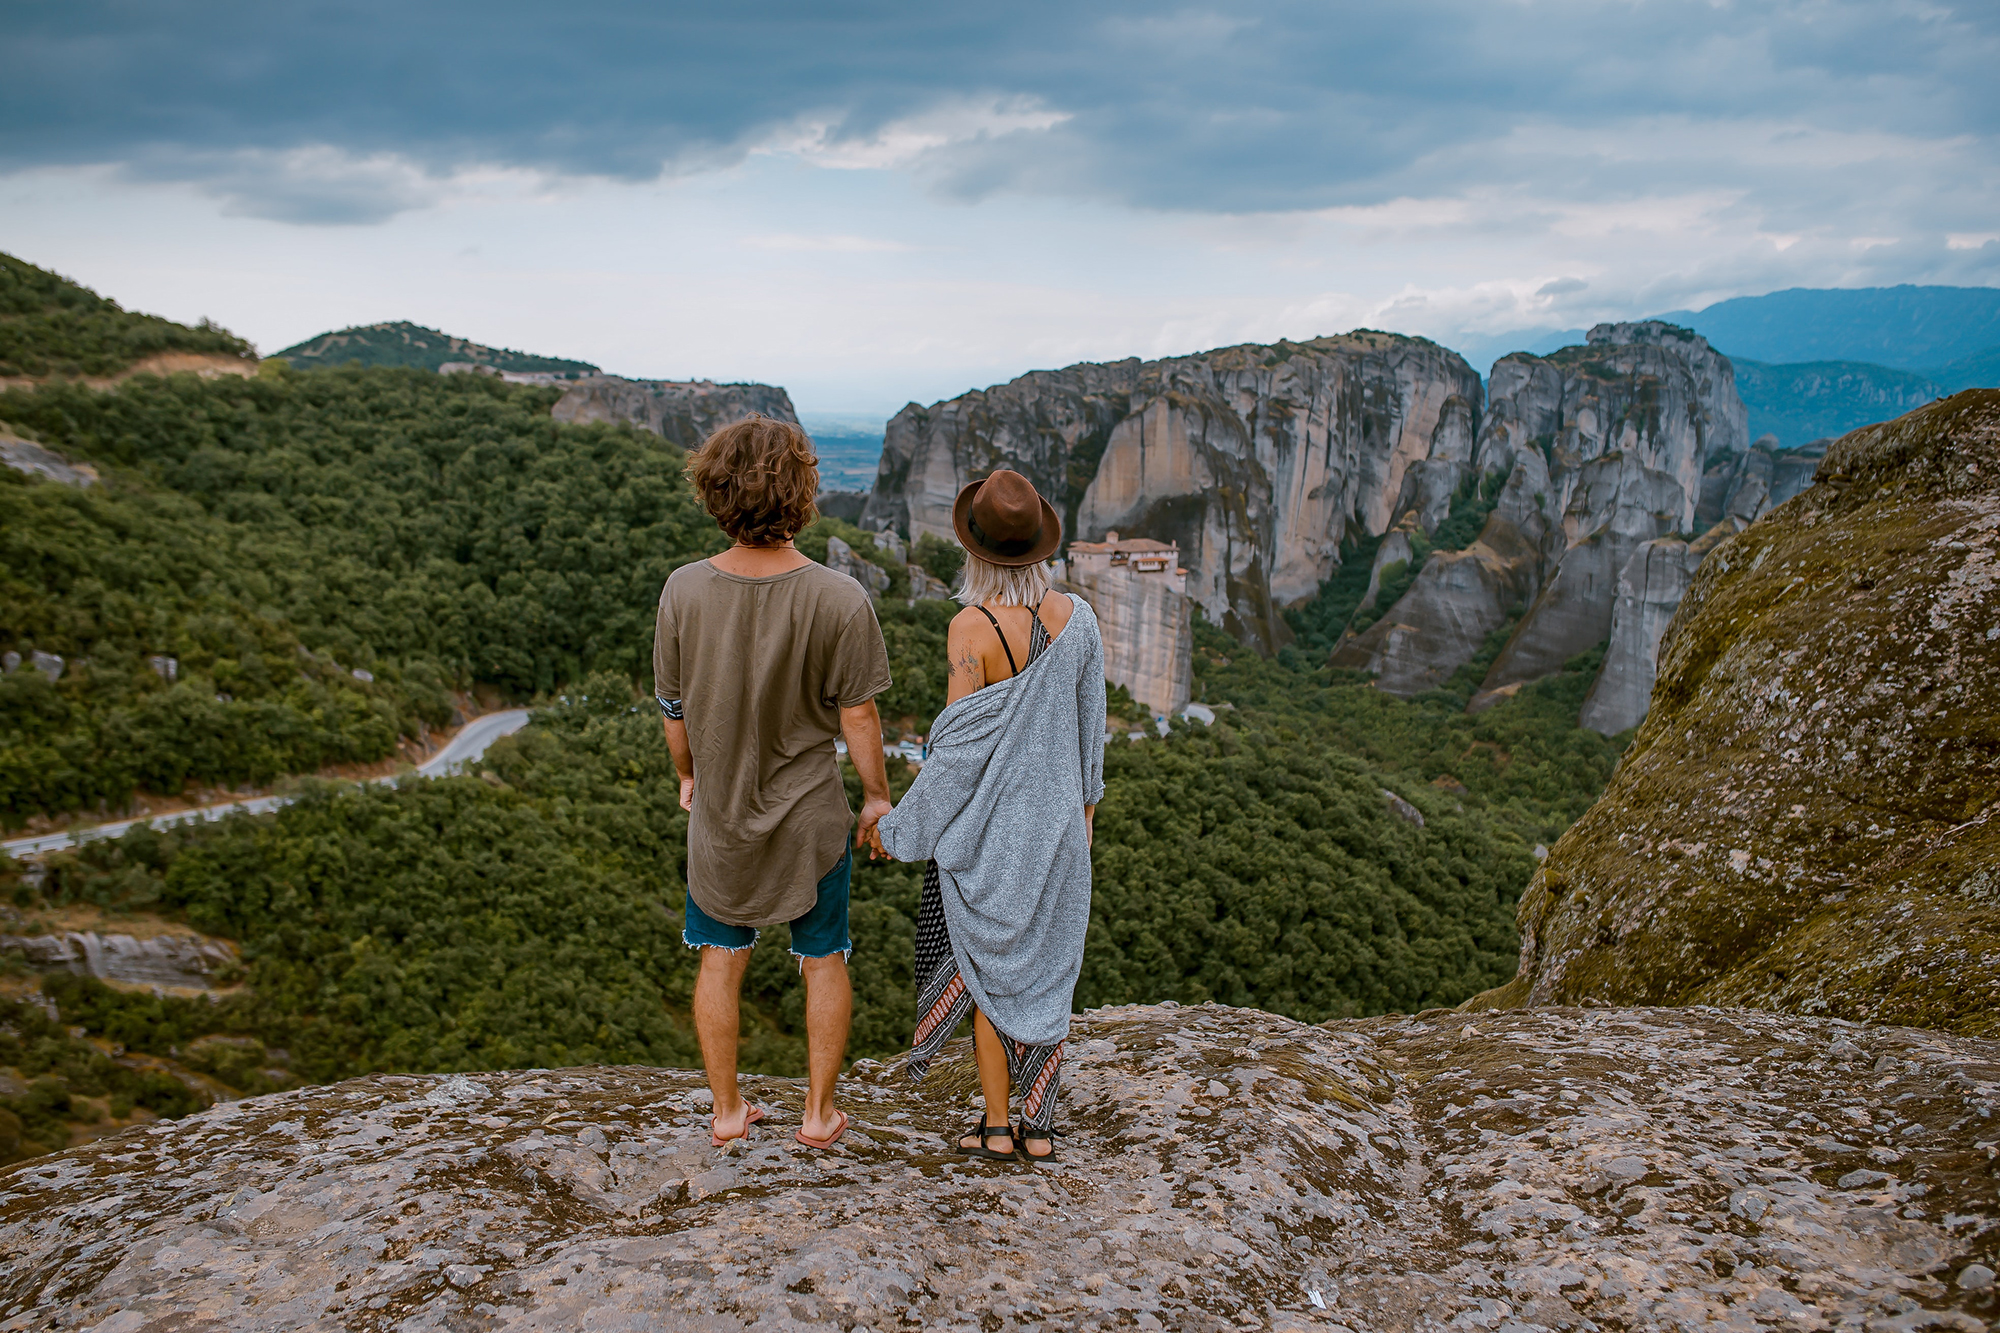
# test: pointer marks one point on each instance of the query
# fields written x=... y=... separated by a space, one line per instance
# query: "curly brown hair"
x=757 y=478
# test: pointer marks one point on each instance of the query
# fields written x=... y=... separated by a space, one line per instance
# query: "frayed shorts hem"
x=821 y=933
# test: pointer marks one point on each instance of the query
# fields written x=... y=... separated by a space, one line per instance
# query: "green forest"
x=276 y=535
x=332 y=557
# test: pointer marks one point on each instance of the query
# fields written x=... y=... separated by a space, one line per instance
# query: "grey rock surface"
x=843 y=559
x=925 y=587
x=39 y=461
x=1650 y=589
x=684 y=411
x=1222 y=1169
x=1460 y=597
x=181 y=961
x=1604 y=446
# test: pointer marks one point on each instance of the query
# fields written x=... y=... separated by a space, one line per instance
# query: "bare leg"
x=993 y=1083
x=717 y=996
x=829 y=1012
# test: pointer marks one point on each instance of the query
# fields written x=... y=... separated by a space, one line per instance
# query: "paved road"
x=465 y=748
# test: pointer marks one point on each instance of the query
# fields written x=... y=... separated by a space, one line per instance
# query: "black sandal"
x=1028 y=1134
x=985 y=1132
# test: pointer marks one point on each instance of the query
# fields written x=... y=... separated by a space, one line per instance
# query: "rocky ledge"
x=1222 y=1169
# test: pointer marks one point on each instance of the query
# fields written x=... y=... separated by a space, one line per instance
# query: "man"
x=761 y=657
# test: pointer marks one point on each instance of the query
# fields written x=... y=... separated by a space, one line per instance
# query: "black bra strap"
x=1012 y=670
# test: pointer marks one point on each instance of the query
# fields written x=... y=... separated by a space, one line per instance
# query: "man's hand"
x=867 y=833
x=677 y=744
x=862 y=726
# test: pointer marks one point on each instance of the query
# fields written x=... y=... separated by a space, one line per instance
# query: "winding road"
x=466 y=747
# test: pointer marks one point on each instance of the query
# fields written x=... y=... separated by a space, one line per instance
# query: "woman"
x=1003 y=811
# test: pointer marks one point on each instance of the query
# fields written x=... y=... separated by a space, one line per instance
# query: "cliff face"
x=1809 y=819
x=685 y=412
x=1221 y=1169
x=1258 y=461
x=1604 y=446
x=1148 y=632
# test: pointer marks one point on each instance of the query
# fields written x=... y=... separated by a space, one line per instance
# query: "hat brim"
x=1045 y=544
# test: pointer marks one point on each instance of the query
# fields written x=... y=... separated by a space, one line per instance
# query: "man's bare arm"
x=862 y=727
x=677 y=744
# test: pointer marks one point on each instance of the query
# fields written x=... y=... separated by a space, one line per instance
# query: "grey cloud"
x=318 y=186
x=1270 y=105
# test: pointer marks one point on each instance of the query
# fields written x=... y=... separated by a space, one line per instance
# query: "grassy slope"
x=51 y=326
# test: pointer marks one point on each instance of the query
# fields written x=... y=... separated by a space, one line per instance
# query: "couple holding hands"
x=761 y=659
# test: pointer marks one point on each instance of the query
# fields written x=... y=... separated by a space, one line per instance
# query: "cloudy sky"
x=877 y=202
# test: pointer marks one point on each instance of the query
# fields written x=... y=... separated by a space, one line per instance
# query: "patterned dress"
x=942 y=1001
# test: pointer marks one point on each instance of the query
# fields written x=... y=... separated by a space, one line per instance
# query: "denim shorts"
x=820 y=933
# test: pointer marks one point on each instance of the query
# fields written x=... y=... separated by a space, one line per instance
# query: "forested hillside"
x=274 y=535
x=401 y=343
x=51 y=326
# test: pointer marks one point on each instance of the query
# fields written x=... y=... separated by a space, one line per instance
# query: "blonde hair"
x=1004 y=585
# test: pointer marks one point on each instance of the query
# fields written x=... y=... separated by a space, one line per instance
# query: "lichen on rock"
x=1809 y=819
x=1220 y=1169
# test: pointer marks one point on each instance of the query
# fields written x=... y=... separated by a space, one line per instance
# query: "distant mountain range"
x=1818 y=361
x=401 y=343
x=1810 y=362
x=1805 y=401
x=1931 y=330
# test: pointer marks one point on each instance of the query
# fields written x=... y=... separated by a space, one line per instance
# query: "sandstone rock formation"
x=1257 y=461
x=844 y=559
x=1650 y=588
x=683 y=411
x=1221 y=1169
x=1604 y=446
x=925 y=586
x=1139 y=592
x=1460 y=597
x=1809 y=818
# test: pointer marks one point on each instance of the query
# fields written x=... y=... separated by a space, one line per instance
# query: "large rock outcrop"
x=684 y=411
x=1257 y=460
x=1809 y=818
x=1139 y=592
x=1605 y=447
x=1221 y=1169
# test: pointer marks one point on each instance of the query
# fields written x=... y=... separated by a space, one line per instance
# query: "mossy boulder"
x=1809 y=819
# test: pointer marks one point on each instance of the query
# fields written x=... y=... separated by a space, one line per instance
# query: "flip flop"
x=829 y=1140
x=751 y=1117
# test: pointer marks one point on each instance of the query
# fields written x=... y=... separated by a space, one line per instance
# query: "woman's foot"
x=988 y=1140
x=1038 y=1144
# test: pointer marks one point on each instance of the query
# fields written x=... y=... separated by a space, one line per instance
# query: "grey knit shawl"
x=999 y=806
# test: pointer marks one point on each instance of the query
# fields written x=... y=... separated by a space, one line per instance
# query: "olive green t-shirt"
x=761 y=669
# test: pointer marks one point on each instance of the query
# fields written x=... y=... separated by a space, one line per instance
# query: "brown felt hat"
x=1004 y=521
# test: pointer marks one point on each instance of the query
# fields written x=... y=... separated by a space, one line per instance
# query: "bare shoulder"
x=967 y=624
x=1055 y=611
